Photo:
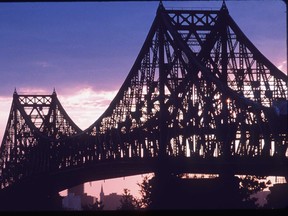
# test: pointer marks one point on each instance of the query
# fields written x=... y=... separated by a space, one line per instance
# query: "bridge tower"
x=167 y=183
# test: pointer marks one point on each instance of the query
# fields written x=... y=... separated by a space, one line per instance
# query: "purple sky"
x=73 y=45
x=86 y=49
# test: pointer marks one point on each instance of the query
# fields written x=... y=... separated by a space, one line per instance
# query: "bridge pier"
x=29 y=198
x=31 y=202
x=278 y=198
x=175 y=193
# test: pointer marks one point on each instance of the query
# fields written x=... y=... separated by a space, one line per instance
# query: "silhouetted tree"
x=128 y=202
x=250 y=185
x=145 y=191
x=278 y=198
x=96 y=206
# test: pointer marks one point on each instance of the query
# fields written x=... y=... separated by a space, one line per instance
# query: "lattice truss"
x=198 y=88
x=35 y=124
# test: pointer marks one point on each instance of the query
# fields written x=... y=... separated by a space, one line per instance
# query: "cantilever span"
x=200 y=96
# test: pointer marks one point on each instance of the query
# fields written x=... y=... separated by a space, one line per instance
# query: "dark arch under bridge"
x=200 y=97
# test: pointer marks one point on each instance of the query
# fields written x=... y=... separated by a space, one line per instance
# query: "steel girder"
x=35 y=124
x=198 y=89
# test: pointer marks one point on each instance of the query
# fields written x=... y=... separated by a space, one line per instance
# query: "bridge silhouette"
x=200 y=98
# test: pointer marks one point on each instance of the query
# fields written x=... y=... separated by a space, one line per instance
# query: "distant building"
x=77 y=190
x=76 y=198
x=111 y=201
x=72 y=202
x=87 y=200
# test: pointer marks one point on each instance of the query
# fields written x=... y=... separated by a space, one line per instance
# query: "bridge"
x=200 y=98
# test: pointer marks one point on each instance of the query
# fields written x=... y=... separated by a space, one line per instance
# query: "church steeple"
x=101 y=194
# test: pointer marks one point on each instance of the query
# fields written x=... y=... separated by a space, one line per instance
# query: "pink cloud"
x=86 y=105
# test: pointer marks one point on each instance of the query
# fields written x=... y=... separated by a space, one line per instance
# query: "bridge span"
x=200 y=98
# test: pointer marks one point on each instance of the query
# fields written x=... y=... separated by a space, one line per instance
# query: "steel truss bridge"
x=199 y=98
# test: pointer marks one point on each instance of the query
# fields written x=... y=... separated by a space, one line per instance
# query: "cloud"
x=5 y=105
x=282 y=66
x=86 y=105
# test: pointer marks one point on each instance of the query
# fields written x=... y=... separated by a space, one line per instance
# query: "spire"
x=160 y=7
x=101 y=194
x=224 y=7
x=15 y=94
x=54 y=91
x=102 y=189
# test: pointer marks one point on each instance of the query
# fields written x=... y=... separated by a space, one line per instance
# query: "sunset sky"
x=85 y=50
